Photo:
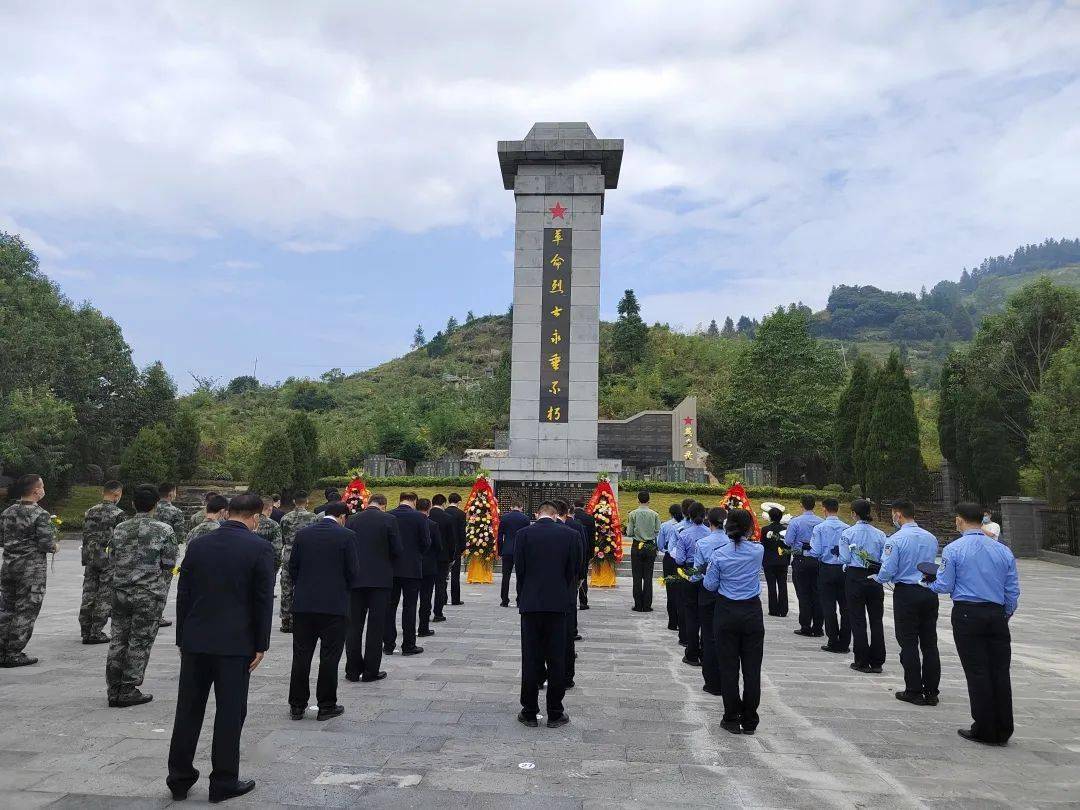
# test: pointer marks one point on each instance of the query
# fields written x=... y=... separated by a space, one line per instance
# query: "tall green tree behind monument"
x=846 y=425
x=893 y=463
x=628 y=338
x=273 y=470
x=185 y=442
x=862 y=432
x=304 y=445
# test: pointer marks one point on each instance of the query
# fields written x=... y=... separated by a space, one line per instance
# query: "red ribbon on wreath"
x=484 y=485
x=604 y=500
x=355 y=495
x=736 y=498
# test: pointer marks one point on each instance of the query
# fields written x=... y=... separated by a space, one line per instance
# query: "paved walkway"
x=440 y=731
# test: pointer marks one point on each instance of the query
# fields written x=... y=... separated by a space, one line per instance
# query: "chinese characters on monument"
x=555 y=326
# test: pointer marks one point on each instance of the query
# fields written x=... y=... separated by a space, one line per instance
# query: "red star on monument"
x=557 y=211
x=688 y=421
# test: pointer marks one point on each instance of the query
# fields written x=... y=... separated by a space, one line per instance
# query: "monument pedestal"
x=530 y=481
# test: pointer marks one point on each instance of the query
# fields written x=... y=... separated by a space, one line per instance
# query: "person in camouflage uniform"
x=142 y=553
x=216 y=509
x=293 y=522
x=201 y=515
x=98 y=524
x=269 y=530
x=26 y=536
x=167 y=513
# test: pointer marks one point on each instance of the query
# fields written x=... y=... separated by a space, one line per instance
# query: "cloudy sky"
x=303 y=183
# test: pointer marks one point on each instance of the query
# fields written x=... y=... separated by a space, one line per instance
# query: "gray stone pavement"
x=440 y=731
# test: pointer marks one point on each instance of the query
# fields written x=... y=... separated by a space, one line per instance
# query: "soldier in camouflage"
x=201 y=515
x=98 y=524
x=216 y=511
x=167 y=513
x=26 y=536
x=293 y=522
x=142 y=554
x=269 y=530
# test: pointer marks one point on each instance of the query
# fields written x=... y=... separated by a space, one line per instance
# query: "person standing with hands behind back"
x=224 y=610
x=980 y=573
x=739 y=626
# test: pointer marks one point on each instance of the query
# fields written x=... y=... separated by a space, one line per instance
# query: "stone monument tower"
x=559 y=174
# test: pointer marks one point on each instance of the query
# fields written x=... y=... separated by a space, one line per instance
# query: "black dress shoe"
x=333 y=711
x=749 y=731
x=164 y=623
x=801 y=632
x=296 y=712
x=133 y=698
x=646 y=610
x=577 y=637
x=569 y=684
x=178 y=794
x=457 y=603
x=694 y=662
x=425 y=633
x=636 y=609
x=438 y=618
x=352 y=678
x=284 y=629
x=388 y=650
x=525 y=720
x=836 y=650
x=731 y=726
x=556 y=722
x=817 y=633
x=968 y=734
x=412 y=651
x=683 y=644
x=712 y=691
x=914 y=699
x=504 y=604
x=930 y=700
x=378 y=676
x=583 y=607
x=242 y=787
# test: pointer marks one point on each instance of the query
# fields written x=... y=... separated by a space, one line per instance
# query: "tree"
x=630 y=334
x=333 y=376
x=157 y=397
x=304 y=447
x=306 y=395
x=273 y=469
x=729 y=327
x=451 y=325
x=846 y=425
x=241 y=385
x=1055 y=441
x=437 y=346
x=892 y=460
x=184 y=438
x=713 y=330
x=150 y=458
x=469 y=317
x=37 y=435
x=866 y=413
x=745 y=325
x=418 y=339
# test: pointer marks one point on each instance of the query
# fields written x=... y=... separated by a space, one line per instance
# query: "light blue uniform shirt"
x=862 y=535
x=705 y=548
x=667 y=534
x=686 y=540
x=799 y=529
x=824 y=537
x=735 y=569
x=977 y=568
x=904 y=550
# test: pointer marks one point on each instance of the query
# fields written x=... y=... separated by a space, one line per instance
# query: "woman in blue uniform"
x=733 y=575
x=710 y=663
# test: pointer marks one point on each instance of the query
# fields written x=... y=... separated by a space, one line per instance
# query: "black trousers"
x=455 y=580
x=228 y=674
x=571 y=645
x=543 y=654
x=688 y=618
x=915 y=614
x=583 y=591
x=740 y=643
x=406 y=591
x=866 y=606
x=642 y=564
x=441 y=577
x=367 y=613
x=983 y=642
x=805 y=576
x=427 y=593
x=710 y=658
x=776 y=582
x=667 y=565
x=833 y=592
x=507 y=570
x=328 y=631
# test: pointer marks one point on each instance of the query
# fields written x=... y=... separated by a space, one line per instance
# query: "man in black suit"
x=224 y=610
x=408 y=572
x=430 y=569
x=588 y=523
x=455 y=512
x=377 y=547
x=332 y=496
x=276 y=513
x=509 y=525
x=447 y=551
x=546 y=558
x=581 y=574
x=324 y=568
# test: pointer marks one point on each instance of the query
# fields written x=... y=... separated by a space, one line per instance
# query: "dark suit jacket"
x=459 y=528
x=772 y=543
x=415 y=540
x=546 y=556
x=276 y=514
x=377 y=545
x=588 y=522
x=447 y=533
x=323 y=567
x=434 y=551
x=586 y=543
x=225 y=593
x=322 y=506
x=509 y=525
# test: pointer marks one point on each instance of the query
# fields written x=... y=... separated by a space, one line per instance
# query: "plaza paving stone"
x=440 y=731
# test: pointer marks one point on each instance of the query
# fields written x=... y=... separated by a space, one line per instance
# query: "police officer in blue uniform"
x=804 y=569
x=825 y=543
x=861 y=546
x=734 y=575
x=710 y=661
x=664 y=545
x=915 y=607
x=685 y=544
x=980 y=573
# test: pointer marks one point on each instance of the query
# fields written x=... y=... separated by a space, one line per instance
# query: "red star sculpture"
x=557 y=211
x=688 y=421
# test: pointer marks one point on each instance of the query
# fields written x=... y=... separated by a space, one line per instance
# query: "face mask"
x=985 y=520
x=896 y=523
